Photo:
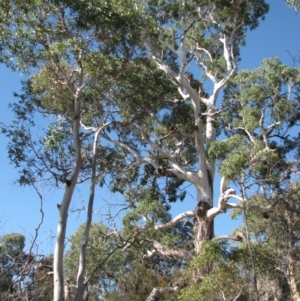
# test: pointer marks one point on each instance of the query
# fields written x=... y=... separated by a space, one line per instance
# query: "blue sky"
x=278 y=35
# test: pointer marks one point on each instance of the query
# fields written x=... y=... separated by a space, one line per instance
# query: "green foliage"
x=220 y=149
x=118 y=275
x=12 y=244
x=260 y=106
x=94 y=52
x=98 y=251
x=11 y=257
x=23 y=276
x=274 y=242
x=235 y=164
x=294 y=3
x=116 y=21
x=136 y=284
x=55 y=135
x=232 y=153
x=213 y=274
x=148 y=207
x=225 y=271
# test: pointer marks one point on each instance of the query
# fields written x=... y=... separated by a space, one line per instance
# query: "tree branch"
x=175 y=220
x=163 y=251
x=238 y=237
x=157 y=293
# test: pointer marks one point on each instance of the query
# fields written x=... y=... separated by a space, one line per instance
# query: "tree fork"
x=203 y=228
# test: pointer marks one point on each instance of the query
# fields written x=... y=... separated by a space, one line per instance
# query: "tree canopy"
x=147 y=99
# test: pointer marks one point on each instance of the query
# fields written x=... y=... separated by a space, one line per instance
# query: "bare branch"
x=238 y=237
x=223 y=205
x=157 y=293
x=164 y=43
x=130 y=150
x=251 y=138
x=240 y=293
x=163 y=251
x=263 y=210
x=283 y=120
x=175 y=220
x=263 y=130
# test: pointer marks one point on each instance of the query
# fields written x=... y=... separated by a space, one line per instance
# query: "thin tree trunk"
x=58 y=275
x=81 y=287
x=293 y=283
x=254 y=276
x=291 y=271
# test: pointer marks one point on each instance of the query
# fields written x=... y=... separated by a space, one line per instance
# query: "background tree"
x=117 y=266
x=11 y=258
x=294 y=3
x=223 y=282
x=24 y=276
x=276 y=240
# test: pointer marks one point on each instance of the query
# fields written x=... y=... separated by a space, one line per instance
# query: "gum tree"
x=191 y=42
x=167 y=118
x=248 y=134
x=70 y=67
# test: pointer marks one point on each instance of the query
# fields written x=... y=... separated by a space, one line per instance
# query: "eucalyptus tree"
x=21 y=272
x=101 y=253
x=164 y=113
x=71 y=67
x=277 y=239
x=248 y=134
x=114 y=273
x=11 y=258
x=187 y=40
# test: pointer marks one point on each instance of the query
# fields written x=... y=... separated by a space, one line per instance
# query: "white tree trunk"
x=81 y=287
x=58 y=275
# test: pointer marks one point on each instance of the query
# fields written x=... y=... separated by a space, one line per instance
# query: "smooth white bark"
x=175 y=220
x=58 y=274
x=81 y=287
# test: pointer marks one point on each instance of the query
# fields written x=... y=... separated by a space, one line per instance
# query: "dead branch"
x=158 y=293
x=161 y=250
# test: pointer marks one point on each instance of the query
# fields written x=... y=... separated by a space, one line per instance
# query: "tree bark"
x=81 y=286
x=293 y=283
x=158 y=293
x=58 y=274
x=203 y=228
x=291 y=270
